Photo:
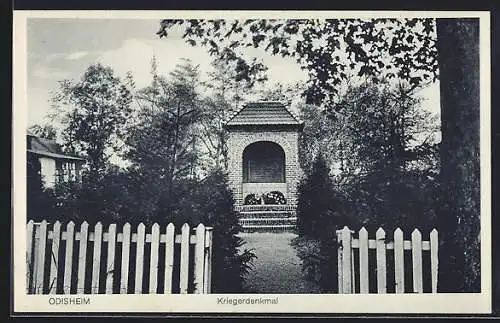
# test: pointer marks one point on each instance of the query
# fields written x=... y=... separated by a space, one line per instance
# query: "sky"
x=63 y=48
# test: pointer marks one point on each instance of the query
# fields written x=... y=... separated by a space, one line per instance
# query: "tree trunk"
x=458 y=55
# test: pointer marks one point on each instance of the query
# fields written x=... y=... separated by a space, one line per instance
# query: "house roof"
x=263 y=113
x=53 y=155
x=47 y=147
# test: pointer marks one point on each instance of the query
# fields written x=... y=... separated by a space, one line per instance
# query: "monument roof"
x=263 y=113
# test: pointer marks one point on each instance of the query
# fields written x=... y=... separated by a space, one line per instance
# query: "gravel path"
x=277 y=267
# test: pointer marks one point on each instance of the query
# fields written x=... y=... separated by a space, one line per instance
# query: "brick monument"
x=263 y=164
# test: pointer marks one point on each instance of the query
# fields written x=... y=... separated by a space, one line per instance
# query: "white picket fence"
x=55 y=267
x=350 y=274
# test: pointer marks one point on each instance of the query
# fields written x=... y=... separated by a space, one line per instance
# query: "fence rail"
x=348 y=271
x=75 y=262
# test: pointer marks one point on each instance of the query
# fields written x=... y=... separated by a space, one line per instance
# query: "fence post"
x=416 y=252
x=169 y=258
x=54 y=263
x=399 y=267
x=125 y=259
x=184 y=270
x=68 y=259
x=363 y=261
x=434 y=259
x=381 y=262
x=346 y=261
x=199 y=259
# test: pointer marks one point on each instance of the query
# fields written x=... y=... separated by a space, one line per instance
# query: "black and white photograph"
x=251 y=158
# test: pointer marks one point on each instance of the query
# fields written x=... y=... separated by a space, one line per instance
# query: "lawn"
x=277 y=269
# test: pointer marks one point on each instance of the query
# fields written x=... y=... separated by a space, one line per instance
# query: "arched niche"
x=263 y=162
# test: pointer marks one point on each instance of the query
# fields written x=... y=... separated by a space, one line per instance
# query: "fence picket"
x=139 y=259
x=346 y=261
x=434 y=259
x=184 y=258
x=84 y=231
x=96 y=259
x=363 y=261
x=199 y=259
x=125 y=259
x=339 y=261
x=153 y=263
x=169 y=258
x=54 y=263
x=68 y=258
x=381 y=262
x=110 y=266
x=399 y=261
x=207 y=286
x=91 y=281
x=416 y=252
x=29 y=255
x=40 y=256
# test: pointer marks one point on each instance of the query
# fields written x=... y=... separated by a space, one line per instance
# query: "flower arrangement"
x=252 y=199
x=274 y=197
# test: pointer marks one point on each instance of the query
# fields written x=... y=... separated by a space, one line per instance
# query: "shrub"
x=214 y=204
x=319 y=208
x=118 y=198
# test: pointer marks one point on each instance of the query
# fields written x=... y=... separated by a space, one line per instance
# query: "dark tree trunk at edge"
x=458 y=50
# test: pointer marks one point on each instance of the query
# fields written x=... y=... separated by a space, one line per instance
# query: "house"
x=55 y=166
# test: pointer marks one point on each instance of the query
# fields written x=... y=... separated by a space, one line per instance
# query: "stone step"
x=257 y=221
x=272 y=214
x=269 y=228
x=273 y=219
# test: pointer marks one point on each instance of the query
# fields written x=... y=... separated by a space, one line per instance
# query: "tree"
x=34 y=188
x=382 y=128
x=319 y=207
x=161 y=144
x=93 y=111
x=213 y=201
x=410 y=49
x=46 y=131
x=374 y=47
x=318 y=135
x=458 y=48
x=232 y=80
x=212 y=134
x=228 y=85
x=283 y=92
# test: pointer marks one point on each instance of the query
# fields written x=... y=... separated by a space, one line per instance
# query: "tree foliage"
x=161 y=144
x=319 y=209
x=92 y=111
x=46 y=131
x=384 y=153
x=213 y=202
x=161 y=183
x=231 y=81
x=380 y=48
